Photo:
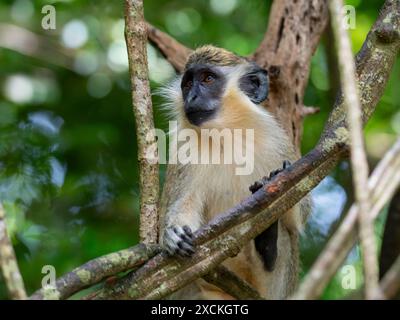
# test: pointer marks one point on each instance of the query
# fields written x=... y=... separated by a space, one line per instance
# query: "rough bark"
x=294 y=31
x=136 y=39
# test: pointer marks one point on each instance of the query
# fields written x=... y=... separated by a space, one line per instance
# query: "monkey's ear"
x=255 y=85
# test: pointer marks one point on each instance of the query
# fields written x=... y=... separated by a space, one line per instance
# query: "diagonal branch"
x=136 y=40
x=171 y=49
x=96 y=270
x=25 y=42
x=8 y=263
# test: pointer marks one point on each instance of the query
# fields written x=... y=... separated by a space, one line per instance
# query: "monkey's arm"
x=181 y=210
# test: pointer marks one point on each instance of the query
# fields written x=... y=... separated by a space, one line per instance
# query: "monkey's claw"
x=286 y=164
x=258 y=184
x=179 y=240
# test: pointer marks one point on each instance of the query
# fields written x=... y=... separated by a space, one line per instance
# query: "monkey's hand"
x=260 y=183
x=179 y=240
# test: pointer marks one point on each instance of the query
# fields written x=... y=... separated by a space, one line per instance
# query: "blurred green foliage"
x=68 y=168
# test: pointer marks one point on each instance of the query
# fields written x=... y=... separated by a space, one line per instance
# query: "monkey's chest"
x=225 y=190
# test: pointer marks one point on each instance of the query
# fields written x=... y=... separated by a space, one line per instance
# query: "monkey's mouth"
x=197 y=117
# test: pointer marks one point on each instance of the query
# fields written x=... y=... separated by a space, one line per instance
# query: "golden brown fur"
x=214 y=56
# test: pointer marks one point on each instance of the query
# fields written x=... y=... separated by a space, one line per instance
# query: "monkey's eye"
x=208 y=78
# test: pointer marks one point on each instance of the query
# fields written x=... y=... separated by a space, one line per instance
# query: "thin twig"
x=359 y=162
x=136 y=40
x=381 y=185
x=8 y=263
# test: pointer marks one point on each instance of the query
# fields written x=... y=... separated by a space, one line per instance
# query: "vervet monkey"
x=219 y=90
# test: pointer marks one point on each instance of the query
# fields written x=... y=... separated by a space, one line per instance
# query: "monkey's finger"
x=186 y=248
x=171 y=240
x=184 y=232
x=188 y=232
x=187 y=239
x=286 y=164
x=174 y=234
x=170 y=247
x=255 y=186
x=183 y=253
x=274 y=173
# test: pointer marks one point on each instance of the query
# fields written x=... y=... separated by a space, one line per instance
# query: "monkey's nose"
x=191 y=97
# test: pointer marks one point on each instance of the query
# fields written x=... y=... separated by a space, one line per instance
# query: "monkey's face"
x=204 y=88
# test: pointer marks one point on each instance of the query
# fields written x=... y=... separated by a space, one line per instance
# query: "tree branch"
x=231 y=284
x=25 y=42
x=8 y=263
x=171 y=49
x=96 y=270
x=359 y=162
x=294 y=31
x=381 y=185
x=136 y=40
